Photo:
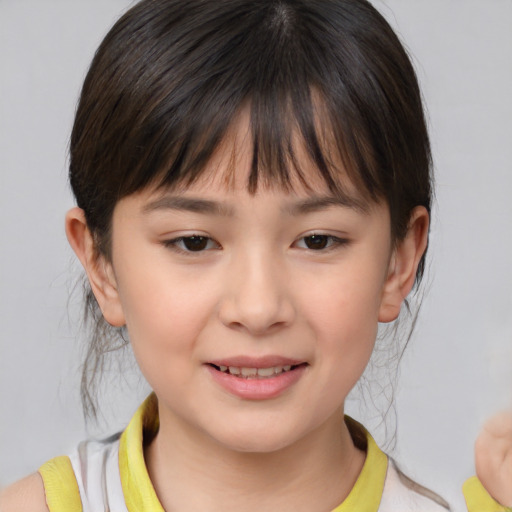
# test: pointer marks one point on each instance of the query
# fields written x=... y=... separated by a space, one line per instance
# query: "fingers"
x=493 y=457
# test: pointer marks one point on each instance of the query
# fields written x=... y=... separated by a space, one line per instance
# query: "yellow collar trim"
x=366 y=494
x=139 y=493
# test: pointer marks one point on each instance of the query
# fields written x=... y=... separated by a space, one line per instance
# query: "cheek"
x=346 y=337
x=345 y=299
x=342 y=311
x=165 y=311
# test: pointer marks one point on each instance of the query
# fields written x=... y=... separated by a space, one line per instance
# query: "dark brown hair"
x=171 y=76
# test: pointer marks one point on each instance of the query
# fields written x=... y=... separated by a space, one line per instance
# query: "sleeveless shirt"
x=111 y=476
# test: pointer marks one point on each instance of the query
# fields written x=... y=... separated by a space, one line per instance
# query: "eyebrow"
x=190 y=204
x=209 y=207
x=315 y=204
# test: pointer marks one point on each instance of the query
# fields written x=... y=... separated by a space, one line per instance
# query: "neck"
x=191 y=471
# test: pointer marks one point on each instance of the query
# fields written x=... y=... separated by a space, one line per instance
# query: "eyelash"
x=175 y=244
x=331 y=242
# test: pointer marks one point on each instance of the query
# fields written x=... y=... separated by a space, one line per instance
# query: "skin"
x=493 y=457
x=27 y=494
x=256 y=289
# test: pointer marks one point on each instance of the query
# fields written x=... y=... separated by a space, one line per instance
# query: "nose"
x=258 y=298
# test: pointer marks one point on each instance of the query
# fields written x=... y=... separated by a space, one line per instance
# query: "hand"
x=493 y=457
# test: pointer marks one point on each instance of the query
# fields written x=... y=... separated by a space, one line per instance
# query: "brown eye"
x=320 y=242
x=317 y=242
x=190 y=244
x=195 y=243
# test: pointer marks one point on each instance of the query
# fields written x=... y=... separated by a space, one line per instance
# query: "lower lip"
x=257 y=389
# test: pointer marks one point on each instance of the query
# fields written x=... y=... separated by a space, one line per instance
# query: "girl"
x=253 y=188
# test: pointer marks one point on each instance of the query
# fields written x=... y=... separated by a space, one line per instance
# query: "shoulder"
x=27 y=495
x=401 y=493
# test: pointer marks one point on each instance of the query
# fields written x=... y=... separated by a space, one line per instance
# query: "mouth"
x=259 y=373
x=257 y=378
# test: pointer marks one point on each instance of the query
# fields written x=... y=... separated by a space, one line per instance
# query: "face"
x=251 y=316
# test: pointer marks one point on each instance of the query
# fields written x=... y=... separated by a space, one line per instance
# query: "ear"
x=404 y=264
x=99 y=270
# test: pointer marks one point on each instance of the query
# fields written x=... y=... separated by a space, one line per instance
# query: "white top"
x=96 y=467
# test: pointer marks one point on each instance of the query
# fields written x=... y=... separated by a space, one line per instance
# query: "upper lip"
x=256 y=362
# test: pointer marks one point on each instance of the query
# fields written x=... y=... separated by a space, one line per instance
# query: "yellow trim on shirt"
x=478 y=499
x=367 y=492
x=140 y=494
x=60 y=486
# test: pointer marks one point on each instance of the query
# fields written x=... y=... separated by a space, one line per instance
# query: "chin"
x=257 y=439
x=257 y=446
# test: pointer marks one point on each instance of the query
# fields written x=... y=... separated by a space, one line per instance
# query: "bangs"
x=292 y=142
x=263 y=62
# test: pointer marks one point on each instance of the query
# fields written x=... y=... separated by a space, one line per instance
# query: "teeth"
x=265 y=372
x=255 y=372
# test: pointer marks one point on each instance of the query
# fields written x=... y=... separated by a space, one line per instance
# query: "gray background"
x=457 y=369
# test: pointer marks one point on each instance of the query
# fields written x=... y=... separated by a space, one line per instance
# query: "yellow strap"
x=478 y=499
x=60 y=486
